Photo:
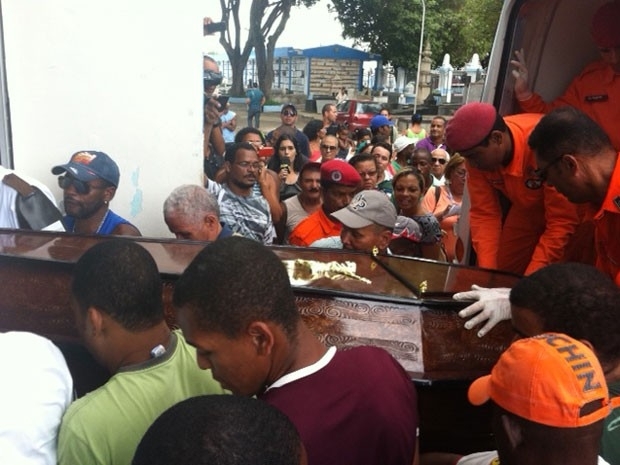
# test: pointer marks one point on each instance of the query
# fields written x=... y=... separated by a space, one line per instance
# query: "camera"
x=212 y=28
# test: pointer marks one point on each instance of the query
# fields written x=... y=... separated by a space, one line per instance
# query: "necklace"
x=100 y=224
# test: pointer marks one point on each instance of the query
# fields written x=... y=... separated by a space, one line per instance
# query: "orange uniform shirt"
x=607 y=229
x=540 y=221
x=596 y=92
x=314 y=227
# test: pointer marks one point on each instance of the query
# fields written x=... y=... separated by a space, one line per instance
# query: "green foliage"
x=392 y=27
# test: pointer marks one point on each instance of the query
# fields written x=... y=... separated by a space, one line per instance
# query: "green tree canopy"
x=392 y=27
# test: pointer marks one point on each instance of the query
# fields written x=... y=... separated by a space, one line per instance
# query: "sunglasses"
x=289 y=113
x=328 y=147
x=441 y=161
x=540 y=175
x=81 y=187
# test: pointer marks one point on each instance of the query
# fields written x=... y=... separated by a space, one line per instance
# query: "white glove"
x=492 y=304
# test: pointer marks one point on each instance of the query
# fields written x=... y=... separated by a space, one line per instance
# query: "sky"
x=306 y=28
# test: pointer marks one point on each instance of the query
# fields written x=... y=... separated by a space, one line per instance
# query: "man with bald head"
x=440 y=158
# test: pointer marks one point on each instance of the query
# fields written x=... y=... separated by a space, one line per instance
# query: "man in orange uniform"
x=596 y=91
x=586 y=171
x=540 y=221
x=339 y=183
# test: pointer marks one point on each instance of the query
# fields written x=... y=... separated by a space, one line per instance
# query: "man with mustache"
x=306 y=202
x=242 y=208
x=89 y=183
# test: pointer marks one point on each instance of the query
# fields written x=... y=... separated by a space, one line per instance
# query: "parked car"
x=356 y=114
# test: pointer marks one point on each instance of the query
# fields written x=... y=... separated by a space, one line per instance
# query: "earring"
x=375 y=251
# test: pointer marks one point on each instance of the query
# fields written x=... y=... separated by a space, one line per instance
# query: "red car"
x=356 y=114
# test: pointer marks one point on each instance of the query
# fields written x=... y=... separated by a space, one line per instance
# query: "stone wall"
x=327 y=75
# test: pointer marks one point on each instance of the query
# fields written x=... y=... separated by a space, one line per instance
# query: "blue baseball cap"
x=379 y=120
x=89 y=165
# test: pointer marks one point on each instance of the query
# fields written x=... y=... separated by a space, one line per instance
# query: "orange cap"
x=546 y=379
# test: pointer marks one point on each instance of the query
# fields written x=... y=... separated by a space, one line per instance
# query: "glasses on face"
x=328 y=148
x=289 y=113
x=441 y=161
x=212 y=78
x=246 y=165
x=461 y=173
x=540 y=175
x=81 y=187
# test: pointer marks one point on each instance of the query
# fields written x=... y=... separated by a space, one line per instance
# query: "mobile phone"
x=265 y=152
x=212 y=28
x=222 y=100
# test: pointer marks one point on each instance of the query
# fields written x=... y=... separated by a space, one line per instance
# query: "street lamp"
x=417 y=79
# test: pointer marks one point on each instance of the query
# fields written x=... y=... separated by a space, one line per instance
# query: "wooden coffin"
x=401 y=304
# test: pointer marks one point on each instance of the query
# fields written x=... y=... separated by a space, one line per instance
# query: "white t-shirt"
x=491 y=458
x=35 y=391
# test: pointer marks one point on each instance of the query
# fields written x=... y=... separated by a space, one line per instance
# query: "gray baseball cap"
x=368 y=207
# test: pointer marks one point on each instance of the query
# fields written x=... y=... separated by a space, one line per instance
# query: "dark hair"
x=231 y=151
x=416 y=118
x=220 y=430
x=577 y=300
x=568 y=130
x=120 y=278
x=383 y=145
x=421 y=151
x=326 y=107
x=312 y=128
x=233 y=282
x=275 y=161
x=498 y=125
x=360 y=133
x=409 y=172
x=248 y=130
x=361 y=157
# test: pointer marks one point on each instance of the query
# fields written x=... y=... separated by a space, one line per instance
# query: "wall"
x=117 y=76
x=328 y=75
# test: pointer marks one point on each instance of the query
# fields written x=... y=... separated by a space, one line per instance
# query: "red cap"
x=470 y=125
x=338 y=171
x=604 y=28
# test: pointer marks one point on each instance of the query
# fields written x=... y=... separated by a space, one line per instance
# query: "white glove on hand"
x=521 y=75
x=492 y=304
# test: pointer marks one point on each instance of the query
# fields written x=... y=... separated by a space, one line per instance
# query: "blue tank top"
x=110 y=222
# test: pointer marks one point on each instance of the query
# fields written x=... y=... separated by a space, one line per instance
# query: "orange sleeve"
x=485 y=218
x=298 y=234
x=561 y=220
x=535 y=104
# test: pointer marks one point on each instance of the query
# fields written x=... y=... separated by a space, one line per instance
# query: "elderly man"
x=191 y=212
x=244 y=209
x=119 y=313
x=329 y=148
x=339 y=183
x=440 y=158
x=89 y=185
x=367 y=222
x=355 y=406
x=537 y=228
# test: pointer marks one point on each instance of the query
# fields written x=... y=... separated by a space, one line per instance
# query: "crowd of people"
x=544 y=192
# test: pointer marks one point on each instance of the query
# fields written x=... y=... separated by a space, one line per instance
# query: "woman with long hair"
x=287 y=162
x=314 y=131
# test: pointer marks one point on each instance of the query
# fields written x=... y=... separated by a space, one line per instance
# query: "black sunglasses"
x=289 y=113
x=80 y=187
x=441 y=161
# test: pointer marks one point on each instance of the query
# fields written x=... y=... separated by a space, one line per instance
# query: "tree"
x=392 y=27
x=267 y=20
